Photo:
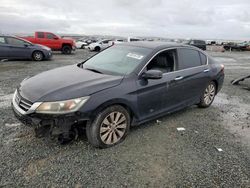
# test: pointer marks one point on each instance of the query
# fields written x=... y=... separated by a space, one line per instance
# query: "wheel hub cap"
x=209 y=94
x=113 y=128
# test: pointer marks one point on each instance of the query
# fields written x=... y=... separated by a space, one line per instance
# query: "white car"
x=81 y=44
x=116 y=41
x=99 y=45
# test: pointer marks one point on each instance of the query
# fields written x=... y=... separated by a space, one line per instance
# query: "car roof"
x=154 y=45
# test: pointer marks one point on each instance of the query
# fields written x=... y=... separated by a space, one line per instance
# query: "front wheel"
x=97 y=49
x=208 y=95
x=66 y=49
x=109 y=128
x=37 y=56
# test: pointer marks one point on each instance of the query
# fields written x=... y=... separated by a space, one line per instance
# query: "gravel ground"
x=153 y=155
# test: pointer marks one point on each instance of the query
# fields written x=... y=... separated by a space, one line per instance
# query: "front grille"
x=24 y=104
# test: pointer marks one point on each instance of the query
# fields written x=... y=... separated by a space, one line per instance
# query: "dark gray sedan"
x=15 y=48
x=126 y=84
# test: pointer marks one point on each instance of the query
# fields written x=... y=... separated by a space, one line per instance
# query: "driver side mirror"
x=26 y=45
x=56 y=38
x=152 y=74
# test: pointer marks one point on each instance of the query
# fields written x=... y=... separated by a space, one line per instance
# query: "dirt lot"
x=153 y=155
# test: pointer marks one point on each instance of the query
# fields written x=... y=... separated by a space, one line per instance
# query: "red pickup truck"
x=53 y=41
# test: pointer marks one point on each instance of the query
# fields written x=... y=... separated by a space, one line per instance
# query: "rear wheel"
x=37 y=56
x=97 y=49
x=109 y=128
x=66 y=49
x=208 y=95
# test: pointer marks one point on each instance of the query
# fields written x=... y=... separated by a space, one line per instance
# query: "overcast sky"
x=225 y=19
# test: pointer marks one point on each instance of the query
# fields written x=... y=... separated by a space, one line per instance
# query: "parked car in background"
x=53 y=41
x=133 y=39
x=99 y=45
x=16 y=48
x=129 y=39
x=236 y=46
x=197 y=43
x=92 y=40
x=211 y=42
x=126 y=84
x=80 y=43
x=116 y=41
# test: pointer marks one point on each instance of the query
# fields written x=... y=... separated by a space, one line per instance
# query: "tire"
x=208 y=95
x=110 y=127
x=97 y=49
x=66 y=49
x=37 y=56
x=83 y=46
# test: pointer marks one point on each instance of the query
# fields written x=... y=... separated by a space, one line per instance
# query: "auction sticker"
x=135 y=56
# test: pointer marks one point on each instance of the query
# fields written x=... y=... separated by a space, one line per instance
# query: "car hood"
x=65 y=83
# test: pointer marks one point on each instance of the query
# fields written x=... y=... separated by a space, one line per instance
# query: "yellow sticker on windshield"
x=135 y=56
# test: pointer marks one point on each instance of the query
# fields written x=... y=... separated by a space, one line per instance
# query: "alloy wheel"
x=38 y=56
x=209 y=94
x=113 y=127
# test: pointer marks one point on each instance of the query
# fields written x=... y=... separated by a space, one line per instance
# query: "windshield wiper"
x=94 y=70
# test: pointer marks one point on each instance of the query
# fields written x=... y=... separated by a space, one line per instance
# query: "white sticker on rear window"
x=135 y=56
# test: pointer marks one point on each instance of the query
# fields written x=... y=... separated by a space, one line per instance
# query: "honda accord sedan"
x=15 y=48
x=125 y=85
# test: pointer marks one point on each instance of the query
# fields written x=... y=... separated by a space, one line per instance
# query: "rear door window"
x=15 y=42
x=188 y=58
x=2 y=40
x=105 y=41
x=50 y=36
x=203 y=58
x=40 y=35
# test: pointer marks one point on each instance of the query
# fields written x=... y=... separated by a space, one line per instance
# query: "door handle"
x=206 y=70
x=178 y=78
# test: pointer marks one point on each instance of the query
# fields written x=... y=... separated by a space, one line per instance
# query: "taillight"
x=222 y=67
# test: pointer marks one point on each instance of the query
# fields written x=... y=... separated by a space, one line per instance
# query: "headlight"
x=61 y=107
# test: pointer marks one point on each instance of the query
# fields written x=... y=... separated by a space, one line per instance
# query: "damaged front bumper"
x=46 y=124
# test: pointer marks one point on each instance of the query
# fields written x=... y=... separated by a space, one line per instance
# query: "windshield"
x=119 y=60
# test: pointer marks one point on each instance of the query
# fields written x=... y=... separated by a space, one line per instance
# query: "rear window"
x=134 y=40
x=40 y=35
x=105 y=41
x=188 y=58
x=199 y=42
x=15 y=41
x=2 y=40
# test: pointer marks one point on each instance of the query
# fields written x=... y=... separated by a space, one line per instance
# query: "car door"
x=18 y=48
x=52 y=41
x=153 y=94
x=173 y=94
x=191 y=75
x=4 y=48
x=40 y=38
x=150 y=96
